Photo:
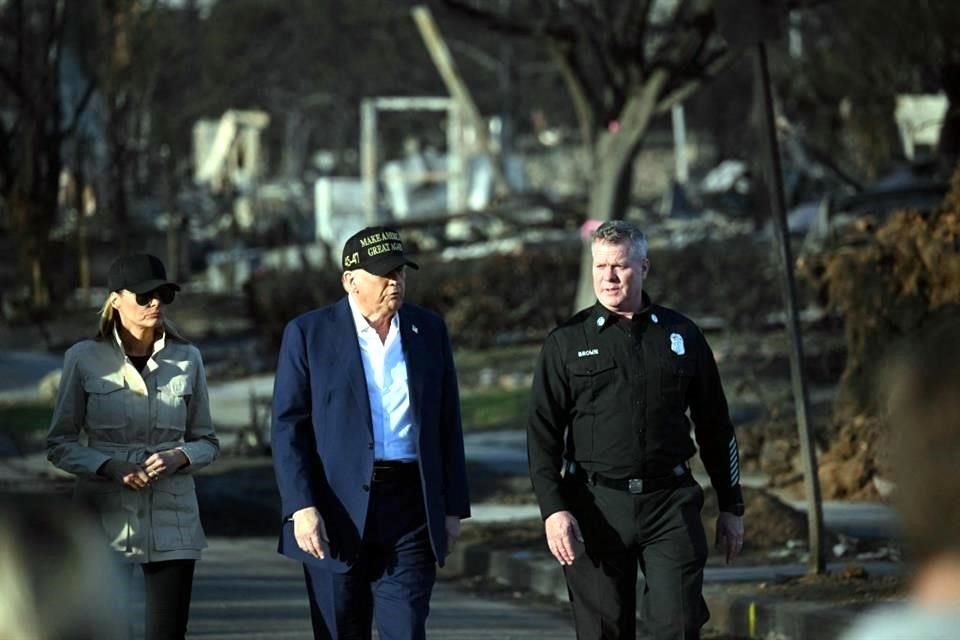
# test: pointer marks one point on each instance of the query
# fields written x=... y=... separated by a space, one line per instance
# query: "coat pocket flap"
x=102 y=386
x=590 y=365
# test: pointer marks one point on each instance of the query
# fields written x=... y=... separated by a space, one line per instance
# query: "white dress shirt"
x=385 y=369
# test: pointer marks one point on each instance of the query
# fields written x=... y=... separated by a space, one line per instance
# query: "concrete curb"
x=750 y=615
x=754 y=616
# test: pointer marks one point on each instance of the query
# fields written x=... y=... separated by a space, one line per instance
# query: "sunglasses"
x=164 y=294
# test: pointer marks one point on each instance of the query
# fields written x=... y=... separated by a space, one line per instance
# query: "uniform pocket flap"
x=590 y=365
x=102 y=386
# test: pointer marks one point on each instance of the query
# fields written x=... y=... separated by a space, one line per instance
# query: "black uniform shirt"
x=611 y=394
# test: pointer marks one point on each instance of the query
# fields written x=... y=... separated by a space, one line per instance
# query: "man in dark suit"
x=368 y=448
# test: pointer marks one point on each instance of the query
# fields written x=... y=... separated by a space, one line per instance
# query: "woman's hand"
x=164 y=463
x=126 y=474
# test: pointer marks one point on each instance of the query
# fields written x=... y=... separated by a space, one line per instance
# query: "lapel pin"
x=414 y=327
x=654 y=317
x=600 y=321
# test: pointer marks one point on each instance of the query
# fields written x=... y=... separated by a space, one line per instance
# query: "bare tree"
x=35 y=119
x=624 y=61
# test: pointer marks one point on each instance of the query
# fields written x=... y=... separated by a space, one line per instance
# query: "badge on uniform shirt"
x=676 y=344
x=654 y=317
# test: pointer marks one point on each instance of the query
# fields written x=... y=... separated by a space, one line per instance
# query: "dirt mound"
x=852 y=457
x=856 y=464
x=772 y=523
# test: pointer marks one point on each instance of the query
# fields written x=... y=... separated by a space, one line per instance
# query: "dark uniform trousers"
x=661 y=533
x=394 y=577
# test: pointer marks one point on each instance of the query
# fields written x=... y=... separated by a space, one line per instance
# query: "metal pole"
x=368 y=159
x=456 y=161
x=817 y=563
x=680 y=144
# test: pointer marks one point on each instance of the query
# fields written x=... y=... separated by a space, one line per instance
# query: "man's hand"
x=165 y=463
x=310 y=532
x=453 y=531
x=563 y=536
x=126 y=474
x=729 y=534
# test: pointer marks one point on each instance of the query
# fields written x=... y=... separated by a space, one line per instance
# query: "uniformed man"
x=609 y=441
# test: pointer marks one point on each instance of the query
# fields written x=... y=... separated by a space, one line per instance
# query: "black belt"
x=679 y=477
x=394 y=470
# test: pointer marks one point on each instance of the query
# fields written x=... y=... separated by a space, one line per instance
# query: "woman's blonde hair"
x=109 y=319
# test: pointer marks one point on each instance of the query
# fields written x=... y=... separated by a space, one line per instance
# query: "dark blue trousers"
x=393 y=579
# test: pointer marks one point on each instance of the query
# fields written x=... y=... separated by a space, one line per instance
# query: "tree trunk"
x=83 y=244
x=613 y=171
x=40 y=292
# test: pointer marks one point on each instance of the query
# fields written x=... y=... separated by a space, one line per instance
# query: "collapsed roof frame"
x=456 y=174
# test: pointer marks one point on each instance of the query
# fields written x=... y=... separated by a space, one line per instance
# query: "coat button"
x=366 y=487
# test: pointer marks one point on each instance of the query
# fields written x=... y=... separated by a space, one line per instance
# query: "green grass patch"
x=25 y=417
x=493 y=409
x=510 y=357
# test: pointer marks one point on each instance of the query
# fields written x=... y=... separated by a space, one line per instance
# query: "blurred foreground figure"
x=55 y=576
x=924 y=396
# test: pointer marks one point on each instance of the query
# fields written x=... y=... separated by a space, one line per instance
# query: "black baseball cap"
x=378 y=250
x=138 y=272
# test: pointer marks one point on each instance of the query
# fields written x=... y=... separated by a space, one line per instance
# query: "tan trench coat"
x=130 y=416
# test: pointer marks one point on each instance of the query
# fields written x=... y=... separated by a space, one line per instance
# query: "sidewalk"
x=736 y=596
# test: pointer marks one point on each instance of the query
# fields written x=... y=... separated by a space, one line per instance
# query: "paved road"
x=21 y=371
x=245 y=591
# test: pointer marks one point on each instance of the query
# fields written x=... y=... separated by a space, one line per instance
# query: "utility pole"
x=747 y=24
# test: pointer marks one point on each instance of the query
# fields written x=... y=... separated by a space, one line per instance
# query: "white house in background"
x=919 y=119
x=228 y=150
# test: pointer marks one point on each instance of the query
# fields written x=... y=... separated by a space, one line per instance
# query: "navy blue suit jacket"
x=322 y=433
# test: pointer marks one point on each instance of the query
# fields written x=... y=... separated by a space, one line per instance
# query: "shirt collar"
x=361 y=323
x=601 y=317
x=158 y=344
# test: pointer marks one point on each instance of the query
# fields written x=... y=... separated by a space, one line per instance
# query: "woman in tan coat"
x=139 y=392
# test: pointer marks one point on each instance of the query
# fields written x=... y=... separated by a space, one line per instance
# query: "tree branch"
x=585 y=108
x=496 y=22
x=6 y=153
x=613 y=65
x=54 y=41
x=15 y=87
x=631 y=18
x=711 y=68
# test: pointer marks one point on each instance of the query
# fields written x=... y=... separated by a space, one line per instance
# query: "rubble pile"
x=772 y=523
x=856 y=464
x=889 y=282
x=852 y=457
